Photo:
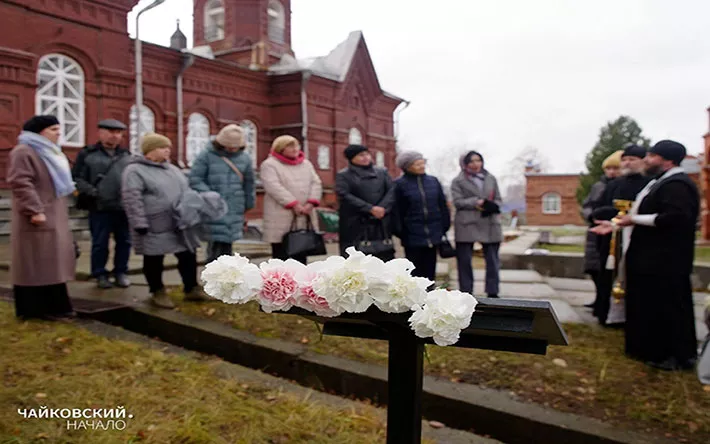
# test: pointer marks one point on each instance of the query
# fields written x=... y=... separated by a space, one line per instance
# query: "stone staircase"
x=78 y=219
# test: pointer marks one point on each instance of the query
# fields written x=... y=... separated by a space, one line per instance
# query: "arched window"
x=60 y=92
x=198 y=134
x=354 y=138
x=214 y=20
x=147 y=125
x=277 y=21
x=551 y=203
x=324 y=157
x=250 y=133
x=380 y=159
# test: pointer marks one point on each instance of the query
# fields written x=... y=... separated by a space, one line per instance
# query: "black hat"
x=634 y=150
x=669 y=150
x=469 y=155
x=39 y=123
x=353 y=150
x=112 y=124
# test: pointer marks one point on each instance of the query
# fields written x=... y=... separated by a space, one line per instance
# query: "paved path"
x=567 y=296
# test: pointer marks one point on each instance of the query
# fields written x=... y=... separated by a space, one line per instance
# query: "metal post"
x=405 y=378
x=138 y=50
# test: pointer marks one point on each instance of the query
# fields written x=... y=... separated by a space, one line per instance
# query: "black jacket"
x=668 y=247
x=359 y=189
x=423 y=215
x=98 y=175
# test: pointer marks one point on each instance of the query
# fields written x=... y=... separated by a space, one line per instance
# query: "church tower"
x=250 y=32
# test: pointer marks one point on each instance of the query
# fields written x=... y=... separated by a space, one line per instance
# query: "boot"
x=161 y=299
x=103 y=283
x=122 y=281
x=197 y=294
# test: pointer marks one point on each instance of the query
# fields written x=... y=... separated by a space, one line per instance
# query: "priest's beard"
x=654 y=170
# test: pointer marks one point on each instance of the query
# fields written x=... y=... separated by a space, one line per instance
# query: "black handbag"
x=376 y=247
x=300 y=242
x=446 y=250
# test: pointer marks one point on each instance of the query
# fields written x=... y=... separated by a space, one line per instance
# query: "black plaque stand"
x=405 y=378
x=497 y=324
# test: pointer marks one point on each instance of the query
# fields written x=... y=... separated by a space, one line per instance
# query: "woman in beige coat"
x=43 y=255
x=292 y=190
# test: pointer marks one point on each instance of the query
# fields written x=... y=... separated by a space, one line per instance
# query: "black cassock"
x=622 y=188
x=659 y=261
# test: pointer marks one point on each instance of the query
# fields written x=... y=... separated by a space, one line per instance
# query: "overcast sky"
x=511 y=73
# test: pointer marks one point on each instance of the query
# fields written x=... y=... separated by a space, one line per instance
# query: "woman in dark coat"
x=423 y=215
x=43 y=255
x=366 y=200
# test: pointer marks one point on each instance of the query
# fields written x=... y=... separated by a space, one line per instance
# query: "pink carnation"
x=309 y=300
x=280 y=286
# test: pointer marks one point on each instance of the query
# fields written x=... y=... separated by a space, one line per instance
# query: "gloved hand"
x=141 y=231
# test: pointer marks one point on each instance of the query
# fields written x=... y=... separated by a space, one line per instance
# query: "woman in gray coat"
x=477 y=200
x=152 y=188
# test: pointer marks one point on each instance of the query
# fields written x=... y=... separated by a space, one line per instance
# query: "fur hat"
x=407 y=158
x=669 y=150
x=353 y=150
x=231 y=136
x=39 y=123
x=153 y=141
x=614 y=160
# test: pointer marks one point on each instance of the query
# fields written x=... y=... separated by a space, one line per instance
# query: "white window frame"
x=277 y=21
x=324 y=157
x=551 y=203
x=67 y=105
x=251 y=138
x=147 y=125
x=198 y=135
x=380 y=159
x=214 y=20
x=354 y=136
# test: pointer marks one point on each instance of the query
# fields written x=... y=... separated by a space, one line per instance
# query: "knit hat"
x=634 y=150
x=669 y=150
x=353 y=150
x=231 y=136
x=39 y=123
x=280 y=143
x=613 y=161
x=153 y=141
x=407 y=158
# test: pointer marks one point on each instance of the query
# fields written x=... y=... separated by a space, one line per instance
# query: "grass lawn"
x=594 y=380
x=174 y=398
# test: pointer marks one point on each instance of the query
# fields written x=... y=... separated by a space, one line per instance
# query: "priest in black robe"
x=625 y=187
x=660 y=327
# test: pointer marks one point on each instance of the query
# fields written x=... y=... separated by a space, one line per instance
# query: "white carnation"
x=232 y=279
x=401 y=291
x=444 y=314
x=347 y=284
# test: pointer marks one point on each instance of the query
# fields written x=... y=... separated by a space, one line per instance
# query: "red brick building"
x=74 y=59
x=550 y=199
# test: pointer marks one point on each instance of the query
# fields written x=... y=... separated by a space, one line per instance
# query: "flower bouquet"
x=338 y=285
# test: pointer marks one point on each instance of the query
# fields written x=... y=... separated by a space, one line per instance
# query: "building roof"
x=334 y=66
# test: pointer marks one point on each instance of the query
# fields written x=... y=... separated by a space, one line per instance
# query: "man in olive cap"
x=660 y=325
x=97 y=173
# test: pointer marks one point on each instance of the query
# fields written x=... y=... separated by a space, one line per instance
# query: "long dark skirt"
x=659 y=318
x=38 y=302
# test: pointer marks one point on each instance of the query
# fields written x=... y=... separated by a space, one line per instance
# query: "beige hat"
x=614 y=160
x=231 y=136
x=153 y=141
x=281 y=142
